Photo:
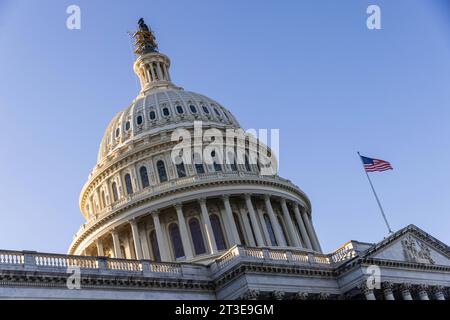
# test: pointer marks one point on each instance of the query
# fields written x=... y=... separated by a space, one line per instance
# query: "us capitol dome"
x=139 y=204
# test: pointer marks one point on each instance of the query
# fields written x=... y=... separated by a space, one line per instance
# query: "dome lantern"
x=151 y=66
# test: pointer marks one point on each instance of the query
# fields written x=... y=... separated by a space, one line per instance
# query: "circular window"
x=152 y=115
x=193 y=108
x=180 y=109
x=166 y=112
x=139 y=120
x=205 y=109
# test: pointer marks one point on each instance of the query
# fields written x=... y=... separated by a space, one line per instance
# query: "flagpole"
x=376 y=196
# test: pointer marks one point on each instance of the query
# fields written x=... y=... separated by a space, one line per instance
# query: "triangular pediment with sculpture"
x=411 y=244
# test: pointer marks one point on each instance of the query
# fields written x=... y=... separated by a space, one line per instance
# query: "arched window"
x=273 y=239
x=193 y=108
x=283 y=229
x=161 y=171
x=205 y=109
x=247 y=164
x=144 y=177
x=128 y=184
x=139 y=120
x=217 y=112
x=166 y=111
x=152 y=115
x=239 y=229
x=218 y=233
x=175 y=238
x=117 y=132
x=103 y=198
x=115 y=194
x=181 y=170
x=127 y=125
x=198 y=164
x=180 y=109
x=197 y=237
x=155 y=247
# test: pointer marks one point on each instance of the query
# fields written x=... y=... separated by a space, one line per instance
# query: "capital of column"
x=438 y=292
x=133 y=221
x=251 y=294
x=422 y=291
x=202 y=201
x=178 y=206
x=154 y=213
x=367 y=291
x=278 y=295
x=405 y=287
x=226 y=197
x=247 y=196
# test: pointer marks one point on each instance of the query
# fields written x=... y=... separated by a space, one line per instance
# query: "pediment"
x=411 y=245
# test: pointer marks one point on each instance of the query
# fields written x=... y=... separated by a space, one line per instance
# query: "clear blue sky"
x=310 y=68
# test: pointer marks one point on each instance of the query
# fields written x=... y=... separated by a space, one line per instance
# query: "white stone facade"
x=158 y=230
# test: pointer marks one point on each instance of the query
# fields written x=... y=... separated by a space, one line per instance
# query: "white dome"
x=158 y=110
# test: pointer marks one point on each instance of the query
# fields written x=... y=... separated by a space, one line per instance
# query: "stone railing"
x=274 y=255
x=344 y=253
x=46 y=262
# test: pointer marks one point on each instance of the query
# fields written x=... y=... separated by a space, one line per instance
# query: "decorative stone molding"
x=366 y=290
x=387 y=288
x=416 y=251
x=278 y=295
x=251 y=294
x=301 y=296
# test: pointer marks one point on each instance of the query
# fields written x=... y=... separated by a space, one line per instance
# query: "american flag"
x=372 y=165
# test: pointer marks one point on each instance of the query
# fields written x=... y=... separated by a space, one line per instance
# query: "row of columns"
x=405 y=289
x=306 y=237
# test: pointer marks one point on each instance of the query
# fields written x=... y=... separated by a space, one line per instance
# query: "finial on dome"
x=145 y=39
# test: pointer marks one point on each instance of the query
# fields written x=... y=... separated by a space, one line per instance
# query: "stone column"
x=405 y=290
x=183 y=232
x=147 y=73
x=254 y=219
x=212 y=246
x=162 y=245
x=302 y=227
x=422 y=290
x=233 y=233
x=159 y=71
x=290 y=225
x=273 y=220
x=387 y=291
x=100 y=251
x=152 y=72
x=311 y=233
x=368 y=292
x=438 y=292
x=136 y=239
x=116 y=244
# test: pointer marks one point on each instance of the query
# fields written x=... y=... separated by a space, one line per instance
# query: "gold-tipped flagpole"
x=376 y=196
